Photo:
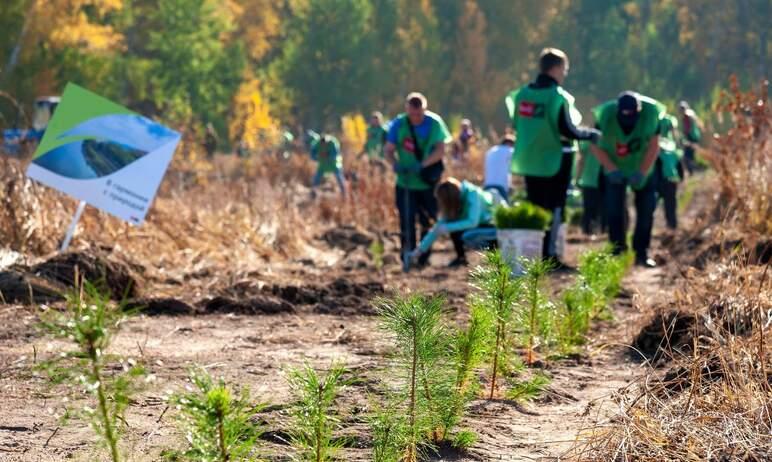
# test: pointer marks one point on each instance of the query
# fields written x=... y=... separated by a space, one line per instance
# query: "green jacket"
x=590 y=167
x=327 y=154
x=670 y=153
x=534 y=113
x=406 y=158
x=376 y=138
x=628 y=150
x=477 y=209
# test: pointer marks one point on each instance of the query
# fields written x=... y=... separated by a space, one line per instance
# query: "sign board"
x=103 y=154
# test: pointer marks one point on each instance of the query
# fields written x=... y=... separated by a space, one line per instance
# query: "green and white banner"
x=102 y=153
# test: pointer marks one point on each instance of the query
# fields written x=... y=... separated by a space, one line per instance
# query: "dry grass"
x=714 y=402
x=229 y=214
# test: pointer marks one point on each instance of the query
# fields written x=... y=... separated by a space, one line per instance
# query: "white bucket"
x=560 y=242
x=515 y=244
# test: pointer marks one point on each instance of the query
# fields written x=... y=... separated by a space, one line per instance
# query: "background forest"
x=251 y=67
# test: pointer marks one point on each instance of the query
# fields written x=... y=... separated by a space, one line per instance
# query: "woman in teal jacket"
x=466 y=213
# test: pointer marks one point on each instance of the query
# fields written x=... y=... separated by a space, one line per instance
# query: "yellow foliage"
x=354 y=129
x=65 y=23
x=258 y=22
x=252 y=120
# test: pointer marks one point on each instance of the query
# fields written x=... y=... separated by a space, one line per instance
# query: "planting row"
x=437 y=367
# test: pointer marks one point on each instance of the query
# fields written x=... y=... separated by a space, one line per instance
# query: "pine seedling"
x=497 y=293
x=415 y=322
x=90 y=322
x=528 y=390
x=216 y=421
x=389 y=429
x=536 y=311
x=313 y=418
x=469 y=347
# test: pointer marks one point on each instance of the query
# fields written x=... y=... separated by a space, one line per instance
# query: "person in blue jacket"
x=466 y=214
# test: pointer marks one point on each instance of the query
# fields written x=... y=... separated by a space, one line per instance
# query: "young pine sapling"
x=536 y=311
x=497 y=293
x=313 y=417
x=216 y=421
x=90 y=322
x=420 y=336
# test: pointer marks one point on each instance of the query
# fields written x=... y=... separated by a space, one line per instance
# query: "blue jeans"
x=616 y=205
x=338 y=176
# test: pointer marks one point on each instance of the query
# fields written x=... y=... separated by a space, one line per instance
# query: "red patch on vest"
x=622 y=150
x=408 y=145
x=527 y=109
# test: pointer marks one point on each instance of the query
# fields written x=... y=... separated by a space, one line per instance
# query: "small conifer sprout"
x=89 y=323
x=217 y=422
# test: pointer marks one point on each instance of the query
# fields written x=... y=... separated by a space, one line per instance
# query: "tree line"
x=249 y=66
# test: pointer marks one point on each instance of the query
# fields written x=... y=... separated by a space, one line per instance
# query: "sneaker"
x=457 y=262
x=645 y=262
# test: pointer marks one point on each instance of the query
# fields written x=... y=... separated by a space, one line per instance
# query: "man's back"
x=497 y=166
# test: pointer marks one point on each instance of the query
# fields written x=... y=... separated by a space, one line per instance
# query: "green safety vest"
x=534 y=113
x=627 y=151
x=375 y=140
x=438 y=133
x=669 y=152
x=328 y=156
x=695 y=134
x=591 y=167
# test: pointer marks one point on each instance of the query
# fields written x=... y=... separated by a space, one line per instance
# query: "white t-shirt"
x=498 y=162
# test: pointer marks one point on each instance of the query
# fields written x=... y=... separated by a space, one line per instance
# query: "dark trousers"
x=690 y=158
x=415 y=204
x=550 y=192
x=594 y=208
x=667 y=191
x=616 y=209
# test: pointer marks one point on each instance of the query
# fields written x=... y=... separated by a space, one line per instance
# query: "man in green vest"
x=669 y=169
x=691 y=134
x=376 y=137
x=590 y=180
x=545 y=119
x=415 y=147
x=325 y=150
x=627 y=152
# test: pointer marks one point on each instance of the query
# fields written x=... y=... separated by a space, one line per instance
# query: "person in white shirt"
x=498 y=161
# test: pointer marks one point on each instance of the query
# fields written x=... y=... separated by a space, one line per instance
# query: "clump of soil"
x=19 y=286
x=668 y=331
x=109 y=274
x=160 y=306
x=347 y=238
x=264 y=304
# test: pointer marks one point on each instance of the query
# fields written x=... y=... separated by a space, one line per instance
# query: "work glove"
x=595 y=135
x=441 y=228
x=410 y=259
x=615 y=177
x=636 y=179
x=398 y=169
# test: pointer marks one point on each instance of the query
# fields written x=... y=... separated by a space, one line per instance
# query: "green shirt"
x=376 y=137
x=534 y=113
x=327 y=154
x=628 y=150
x=437 y=133
x=590 y=167
x=669 y=152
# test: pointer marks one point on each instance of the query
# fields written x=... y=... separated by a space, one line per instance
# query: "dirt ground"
x=316 y=309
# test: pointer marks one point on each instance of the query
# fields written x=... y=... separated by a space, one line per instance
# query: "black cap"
x=628 y=108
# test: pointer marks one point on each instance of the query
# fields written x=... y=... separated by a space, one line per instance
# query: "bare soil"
x=248 y=328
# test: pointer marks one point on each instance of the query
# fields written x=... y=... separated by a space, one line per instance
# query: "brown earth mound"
x=118 y=278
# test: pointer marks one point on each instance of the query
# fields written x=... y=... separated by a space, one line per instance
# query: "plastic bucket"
x=516 y=244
